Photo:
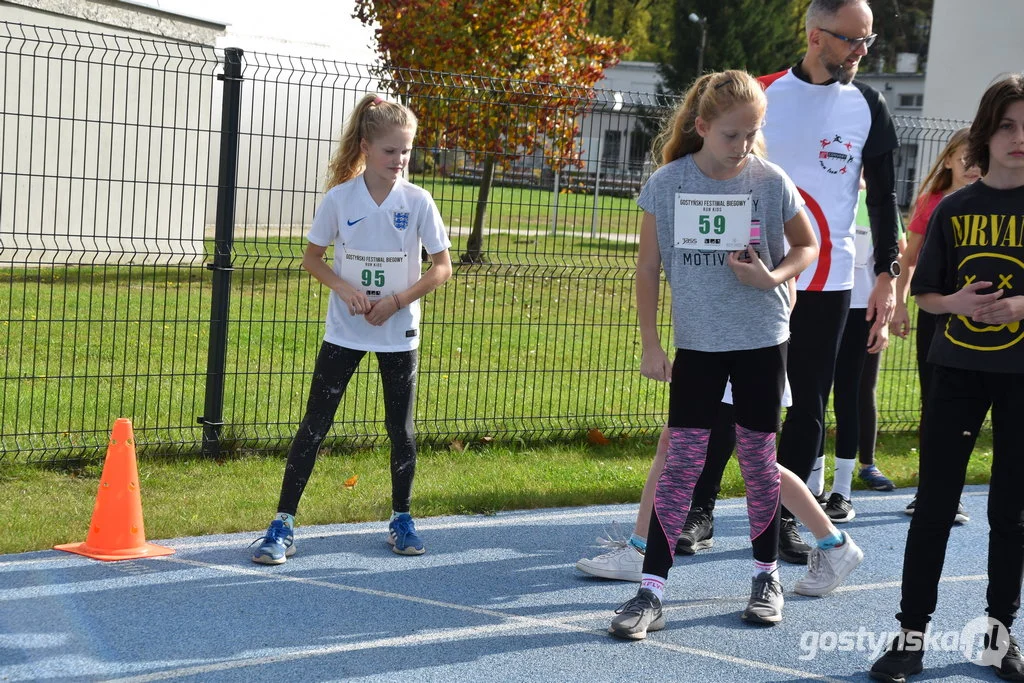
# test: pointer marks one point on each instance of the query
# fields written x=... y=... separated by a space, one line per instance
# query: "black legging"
x=334 y=368
x=853 y=395
x=758 y=381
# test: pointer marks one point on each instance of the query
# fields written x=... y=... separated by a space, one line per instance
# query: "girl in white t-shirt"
x=378 y=223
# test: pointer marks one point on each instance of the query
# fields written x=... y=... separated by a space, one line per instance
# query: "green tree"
x=645 y=25
x=761 y=36
x=902 y=26
x=508 y=77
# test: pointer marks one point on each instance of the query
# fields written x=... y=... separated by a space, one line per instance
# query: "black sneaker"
x=698 y=532
x=839 y=509
x=898 y=663
x=1012 y=666
x=911 y=506
x=792 y=548
x=822 y=499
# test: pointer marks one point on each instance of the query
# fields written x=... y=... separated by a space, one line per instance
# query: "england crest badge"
x=401 y=220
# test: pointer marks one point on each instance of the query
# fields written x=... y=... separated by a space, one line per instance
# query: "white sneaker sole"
x=613 y=574
x=409 y=550
x=266 y=559
x=656 y=625
x=843 y=519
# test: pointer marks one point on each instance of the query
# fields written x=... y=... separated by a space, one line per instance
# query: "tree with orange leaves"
x=507 y=78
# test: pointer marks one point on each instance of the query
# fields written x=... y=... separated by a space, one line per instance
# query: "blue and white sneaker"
x=876 y=481
x=277 y=546
x=402 y=536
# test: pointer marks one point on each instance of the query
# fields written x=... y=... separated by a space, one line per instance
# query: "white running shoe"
x=623 y=563
x=826 y=569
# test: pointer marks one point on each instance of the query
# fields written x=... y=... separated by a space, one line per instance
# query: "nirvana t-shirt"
x=975 y=234
x=711 y=309
x=377 y=249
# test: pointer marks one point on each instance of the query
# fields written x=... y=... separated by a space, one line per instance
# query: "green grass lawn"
x=196 y=496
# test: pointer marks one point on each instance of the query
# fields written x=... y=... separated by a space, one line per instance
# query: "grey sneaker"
x=826 y=569
x=765 y=605
x=637 y=616
x=839 y=509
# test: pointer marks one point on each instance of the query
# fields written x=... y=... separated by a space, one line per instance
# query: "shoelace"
x=635 y=605
x=694 y=520
x=403 y=528
x=276 y=534
x=613 y=539
x=816 y=564
x=766 y=589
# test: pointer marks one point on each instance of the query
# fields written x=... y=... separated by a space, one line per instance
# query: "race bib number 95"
x=377 y=273
x=712 y=221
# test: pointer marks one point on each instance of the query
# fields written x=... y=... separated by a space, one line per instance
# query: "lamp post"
x=703 y=21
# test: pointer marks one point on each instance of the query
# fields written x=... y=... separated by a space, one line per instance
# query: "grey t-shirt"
x=711 y=309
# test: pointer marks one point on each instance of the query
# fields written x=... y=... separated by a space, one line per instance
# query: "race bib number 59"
x=712 y=221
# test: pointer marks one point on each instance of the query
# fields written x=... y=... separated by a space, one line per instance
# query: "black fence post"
x=212 y=418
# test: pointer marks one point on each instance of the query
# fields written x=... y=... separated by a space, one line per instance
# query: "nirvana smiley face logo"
x=1008 y=275
x=835 y=155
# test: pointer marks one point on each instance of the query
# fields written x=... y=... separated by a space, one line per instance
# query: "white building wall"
x=104 y=134
x=972 y=44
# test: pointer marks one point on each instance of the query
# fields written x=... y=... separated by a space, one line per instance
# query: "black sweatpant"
x=335 y=366
x=926 y=323
x=853 y=395
x=816 y=328
x=953 y=413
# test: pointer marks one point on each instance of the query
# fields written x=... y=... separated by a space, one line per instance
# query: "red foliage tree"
x=505 y=78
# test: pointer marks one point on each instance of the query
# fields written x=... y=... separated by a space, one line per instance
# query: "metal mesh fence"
x=154 y=200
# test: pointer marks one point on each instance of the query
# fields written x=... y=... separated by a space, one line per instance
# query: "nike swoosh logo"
x=351 y=223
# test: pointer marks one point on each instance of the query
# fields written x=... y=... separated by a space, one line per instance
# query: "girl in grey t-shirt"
x=703 y=209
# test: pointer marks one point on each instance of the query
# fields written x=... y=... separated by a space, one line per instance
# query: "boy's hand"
x=1000 y=312
x=967 y=301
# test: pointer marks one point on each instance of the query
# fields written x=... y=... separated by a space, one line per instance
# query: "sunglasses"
x=853 y=43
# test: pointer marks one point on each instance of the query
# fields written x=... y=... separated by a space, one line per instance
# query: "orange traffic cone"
x=116 y=531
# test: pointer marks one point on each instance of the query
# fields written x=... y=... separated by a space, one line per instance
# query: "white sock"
x=816 y=482
x=289 y=520
x=655 y=584
x=770 y=567
x=843 y=476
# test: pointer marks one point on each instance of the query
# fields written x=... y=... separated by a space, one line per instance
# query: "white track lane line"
x=511 y=622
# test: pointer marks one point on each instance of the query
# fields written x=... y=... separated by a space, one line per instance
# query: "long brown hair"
x=940 y=178
x=373 y=117
x=709 y=97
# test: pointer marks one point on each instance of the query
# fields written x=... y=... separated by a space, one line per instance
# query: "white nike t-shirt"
x=377 y=249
